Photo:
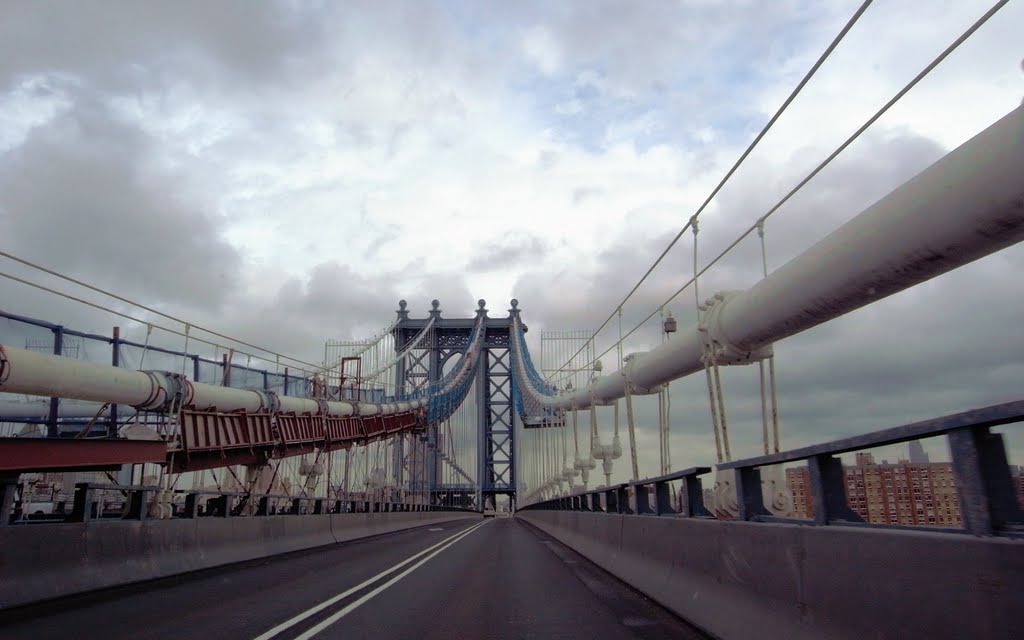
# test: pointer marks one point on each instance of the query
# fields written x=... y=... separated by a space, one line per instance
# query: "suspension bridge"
x=220 y=487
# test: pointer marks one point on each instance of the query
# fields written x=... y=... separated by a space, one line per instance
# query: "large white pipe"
x=208 y=396
x=967 y=205
x=289 y=404
x=40 y=374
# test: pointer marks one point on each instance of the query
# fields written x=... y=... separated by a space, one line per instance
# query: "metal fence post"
x=58 y=350
x=623 y=499
x=191 y=505
x=115 y=360
x=643 y=500
x=610 y=501
x=983 y=482
x=136 y=507
x=748 y=493
x=663 y=499
x=825 y=473
x=693 y=493
x=8 y=494
x=82 y=511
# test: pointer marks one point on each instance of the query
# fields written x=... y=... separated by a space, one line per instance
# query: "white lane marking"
x=291 y=622
x=436 y=529
x=355 y=604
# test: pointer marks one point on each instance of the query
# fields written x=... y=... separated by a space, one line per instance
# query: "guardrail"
x=200 y=368
x=136 y=501
x=979 y=462
x=45 y=562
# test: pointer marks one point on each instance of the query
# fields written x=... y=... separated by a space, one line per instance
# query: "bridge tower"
x=448 y=338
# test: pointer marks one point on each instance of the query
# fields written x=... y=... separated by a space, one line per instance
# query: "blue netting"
x=447 y=394
x=523 y=367
x=536 y=380
x=517 y=399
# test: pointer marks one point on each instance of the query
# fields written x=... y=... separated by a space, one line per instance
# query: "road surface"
x=496 y=578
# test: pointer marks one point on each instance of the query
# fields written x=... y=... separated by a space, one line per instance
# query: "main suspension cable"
x=824 y=163
x=764 y=131
x=138 y=305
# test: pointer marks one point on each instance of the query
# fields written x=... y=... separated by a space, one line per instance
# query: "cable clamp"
x=718 y=349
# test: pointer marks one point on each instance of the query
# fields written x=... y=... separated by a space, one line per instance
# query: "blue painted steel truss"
x=423 y=375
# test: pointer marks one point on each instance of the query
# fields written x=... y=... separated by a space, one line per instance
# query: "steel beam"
x=61 y=454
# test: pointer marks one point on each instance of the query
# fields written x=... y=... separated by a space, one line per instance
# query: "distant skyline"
x=285 y=172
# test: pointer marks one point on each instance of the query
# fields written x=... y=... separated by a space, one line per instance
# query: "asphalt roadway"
x=496 y=578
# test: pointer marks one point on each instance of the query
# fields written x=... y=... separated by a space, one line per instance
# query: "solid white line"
x=354 y=605
x=291 y=622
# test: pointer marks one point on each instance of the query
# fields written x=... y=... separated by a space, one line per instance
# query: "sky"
x=285 y=172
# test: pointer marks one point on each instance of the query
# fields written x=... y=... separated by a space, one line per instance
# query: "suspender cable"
x=576 y=439
x=632 y=429
x=705 y=339
x=771 y=122
x=771 y=368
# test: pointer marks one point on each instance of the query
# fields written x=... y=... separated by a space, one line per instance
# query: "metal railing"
x=134 y=502
x=984 y=485
x=199 y=368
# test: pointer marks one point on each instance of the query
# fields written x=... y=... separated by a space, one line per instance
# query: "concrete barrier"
x=745 y=579
x=42 y=562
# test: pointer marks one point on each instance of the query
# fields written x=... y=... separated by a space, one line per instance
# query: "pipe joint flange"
x=627 y=373
x=723 y=351
x=322 y=408
x=635 y=390
x=268 y=401
x=170 y=390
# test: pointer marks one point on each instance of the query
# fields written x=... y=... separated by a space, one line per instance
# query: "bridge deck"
x=503 y=580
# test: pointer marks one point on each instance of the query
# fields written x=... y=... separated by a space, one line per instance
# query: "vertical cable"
x=771 y=362
x=632 y=429
x=705 y=340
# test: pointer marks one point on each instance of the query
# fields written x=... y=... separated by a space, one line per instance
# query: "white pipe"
x=967 y=205
x=368 y=409
x=208 y=396
x=40 y=374
x=289 y=404
x=340 y=409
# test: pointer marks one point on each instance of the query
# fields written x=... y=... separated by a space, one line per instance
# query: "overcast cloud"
x=286 y=172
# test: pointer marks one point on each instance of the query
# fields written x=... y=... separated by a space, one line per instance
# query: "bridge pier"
x=8 y=491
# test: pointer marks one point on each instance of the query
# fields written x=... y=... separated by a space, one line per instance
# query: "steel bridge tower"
x=494 y=392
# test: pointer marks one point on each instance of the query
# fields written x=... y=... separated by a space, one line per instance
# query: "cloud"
x=907 y=358
x=288 y=172
x=119 y=46
x=336 y=302
x=542 y=50
x=83 y=195
x=515 y=248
